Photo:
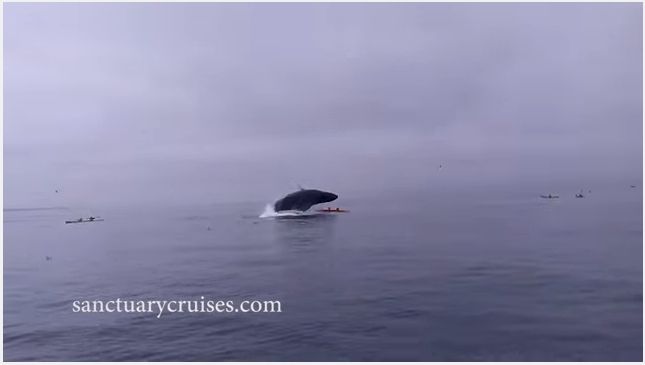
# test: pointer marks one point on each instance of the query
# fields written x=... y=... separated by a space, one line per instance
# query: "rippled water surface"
x=499 y=277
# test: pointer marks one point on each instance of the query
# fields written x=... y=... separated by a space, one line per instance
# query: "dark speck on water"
x=495 y=277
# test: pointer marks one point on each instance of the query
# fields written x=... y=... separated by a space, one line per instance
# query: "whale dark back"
x=303 y=200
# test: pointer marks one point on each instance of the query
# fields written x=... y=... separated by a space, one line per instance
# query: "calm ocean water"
x=447 y=277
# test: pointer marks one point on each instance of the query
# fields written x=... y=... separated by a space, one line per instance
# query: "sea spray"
x=269 y=212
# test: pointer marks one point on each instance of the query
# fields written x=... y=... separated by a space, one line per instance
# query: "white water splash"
x=269 y=212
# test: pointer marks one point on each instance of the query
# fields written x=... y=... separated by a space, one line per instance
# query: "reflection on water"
x=305 y=230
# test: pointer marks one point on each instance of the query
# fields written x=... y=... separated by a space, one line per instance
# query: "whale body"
x=303 y=200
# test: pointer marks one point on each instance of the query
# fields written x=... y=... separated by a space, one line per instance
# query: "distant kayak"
x=549 y=196
x=333 y=210
x=85 y=220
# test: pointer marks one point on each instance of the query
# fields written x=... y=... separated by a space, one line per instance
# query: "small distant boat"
x=549 y=196
x=85 y=220
x=333 y=210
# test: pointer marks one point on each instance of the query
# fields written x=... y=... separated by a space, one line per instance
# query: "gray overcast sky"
x=127 y=103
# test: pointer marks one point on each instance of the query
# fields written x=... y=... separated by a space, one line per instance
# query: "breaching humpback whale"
x=303 y=200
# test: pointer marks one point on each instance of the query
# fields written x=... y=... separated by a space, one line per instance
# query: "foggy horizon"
x=137 y=103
